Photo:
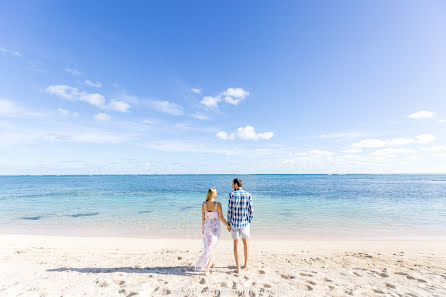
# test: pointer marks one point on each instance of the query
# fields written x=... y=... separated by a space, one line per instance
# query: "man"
x=240 y=214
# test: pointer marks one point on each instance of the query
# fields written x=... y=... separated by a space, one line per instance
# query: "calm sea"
x=316 y=206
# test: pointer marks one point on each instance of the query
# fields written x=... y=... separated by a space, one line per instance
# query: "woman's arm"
x=222 y=218
x=202 y=218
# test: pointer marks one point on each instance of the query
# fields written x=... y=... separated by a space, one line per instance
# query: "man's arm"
x=250 y=209
x=229 y=210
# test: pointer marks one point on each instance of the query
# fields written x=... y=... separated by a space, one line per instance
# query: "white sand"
x=37 y=265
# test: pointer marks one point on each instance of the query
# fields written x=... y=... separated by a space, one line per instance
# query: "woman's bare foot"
x=245 y=266
x=213 y=266
x=206 y=273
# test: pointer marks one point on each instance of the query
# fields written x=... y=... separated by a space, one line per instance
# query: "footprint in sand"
x=304 y=287
x=224 y=284
x=261 y=272
x=421 y=280
x=132 y=294
x=267 y=286
x=311 y=282
x=378 y=291
x=286 y=276
x=401 y=273
x=202 y=281
x=327 y=280
x=410 y=277
x=305 y=274
x=390 y=286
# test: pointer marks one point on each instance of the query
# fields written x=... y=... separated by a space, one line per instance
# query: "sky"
x=188 y=87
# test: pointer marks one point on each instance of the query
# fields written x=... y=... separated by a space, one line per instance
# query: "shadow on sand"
x=173 y=270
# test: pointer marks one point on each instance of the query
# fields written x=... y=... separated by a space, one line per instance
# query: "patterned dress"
x=211 y=234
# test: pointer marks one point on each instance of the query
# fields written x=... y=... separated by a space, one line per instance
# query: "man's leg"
x=245 y=250
x=236 y=254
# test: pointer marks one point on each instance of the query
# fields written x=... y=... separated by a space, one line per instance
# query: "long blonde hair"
x=211 y=193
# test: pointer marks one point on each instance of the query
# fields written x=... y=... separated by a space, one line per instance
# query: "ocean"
x=285 y=206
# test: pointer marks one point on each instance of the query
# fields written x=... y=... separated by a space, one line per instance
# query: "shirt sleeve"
x=229 y=209
x=250 y=209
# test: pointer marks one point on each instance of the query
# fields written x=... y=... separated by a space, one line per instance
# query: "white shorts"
x=244 y=232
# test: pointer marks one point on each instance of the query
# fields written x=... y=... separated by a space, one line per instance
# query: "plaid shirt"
x=240 y=210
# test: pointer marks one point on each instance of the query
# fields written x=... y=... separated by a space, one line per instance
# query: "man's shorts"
x=244 y=232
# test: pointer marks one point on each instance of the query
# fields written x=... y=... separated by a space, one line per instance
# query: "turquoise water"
x=322 y=206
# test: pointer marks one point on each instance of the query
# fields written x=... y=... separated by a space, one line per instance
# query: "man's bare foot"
x=238 y=269
x=245 y=266
x=206 y=273
x=213 y=266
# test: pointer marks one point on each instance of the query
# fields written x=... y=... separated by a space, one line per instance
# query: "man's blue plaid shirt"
x=240 y=210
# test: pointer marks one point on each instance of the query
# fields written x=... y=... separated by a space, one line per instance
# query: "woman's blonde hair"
x=211 y=193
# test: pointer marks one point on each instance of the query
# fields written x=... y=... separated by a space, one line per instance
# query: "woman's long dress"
x=211 y=234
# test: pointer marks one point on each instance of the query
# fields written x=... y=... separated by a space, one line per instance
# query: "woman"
x=211 y=215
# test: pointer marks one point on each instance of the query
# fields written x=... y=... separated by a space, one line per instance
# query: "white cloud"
x=118 y=105
x=422 y=114
x=73 y=71
x=94 y=99
x=376 y=143
x=232 y=96
x=95 y=138
x=425 y=138
x=9 y=108
x=392 y=152
x=225 y=136
x=246 y=133
x=10 y=52
x=63 y=91
x=102 y=117
x=341 y=135
x=179 y=146
x=167 y=107
x=438 y=148
x=66 y=112
x=93 y=84
x=235 y=95
x=200 y=116
x=210 y=102
x=195 y=90
x=352 y=151
x=315 y=153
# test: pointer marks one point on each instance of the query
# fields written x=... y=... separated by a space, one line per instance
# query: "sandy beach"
x=42 y=265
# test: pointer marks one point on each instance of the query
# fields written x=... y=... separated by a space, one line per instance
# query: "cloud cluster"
x=95 y=99
x=232 y=96
x=90 y=83
x=378 y=143
x=73 y=71
x=422 y=114
x=246 y=133
x=10 y=52
x=66 y=112
x=167 y=107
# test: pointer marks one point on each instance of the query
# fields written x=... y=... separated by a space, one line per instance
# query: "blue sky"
x=152 y=87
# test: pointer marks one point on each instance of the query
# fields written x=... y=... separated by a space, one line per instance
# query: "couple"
x=240 y=213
